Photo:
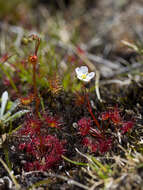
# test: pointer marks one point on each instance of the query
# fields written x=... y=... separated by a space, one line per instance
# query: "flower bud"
x=33 y=59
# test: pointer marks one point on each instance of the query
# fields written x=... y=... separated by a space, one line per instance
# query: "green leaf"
x=74 y=162
x=16 y=115
x=4 y=100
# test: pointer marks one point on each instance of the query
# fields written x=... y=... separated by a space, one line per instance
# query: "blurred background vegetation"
x=98 y=27
x=88 y=21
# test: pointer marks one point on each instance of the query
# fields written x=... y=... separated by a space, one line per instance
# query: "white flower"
x=83 y=74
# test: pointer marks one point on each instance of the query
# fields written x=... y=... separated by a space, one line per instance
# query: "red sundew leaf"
x=47 y=151
x=79 y=99
x=127 y=126
x=84 y=130
x=88 y=143
x=55 y=84
x=105 y=116
x=29 y=148
x=52 y=122
x=101 y=145
x=94 y=147
x=84 y=125
x=31 y=127
x=27 y=100
x=28 y=166
x=115 y=116
x=22 y=146
x=104 y=145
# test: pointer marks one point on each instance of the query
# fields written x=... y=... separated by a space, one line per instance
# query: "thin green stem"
x=74 y=162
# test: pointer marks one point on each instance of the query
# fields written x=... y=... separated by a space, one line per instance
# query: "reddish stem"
x=37 y=46
x=34 y=63
x=91 y=113
x=90 y=110
x=35 y=88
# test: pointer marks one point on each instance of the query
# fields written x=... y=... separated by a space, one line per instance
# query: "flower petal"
x=90 y=75
x=77 y=70
x=86 y=80
x=84 y=69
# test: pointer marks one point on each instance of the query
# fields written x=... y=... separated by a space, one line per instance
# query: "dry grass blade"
x=10 y=174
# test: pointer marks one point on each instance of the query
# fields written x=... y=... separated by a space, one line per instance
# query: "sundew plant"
x=71 y=108
x=41 y=137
